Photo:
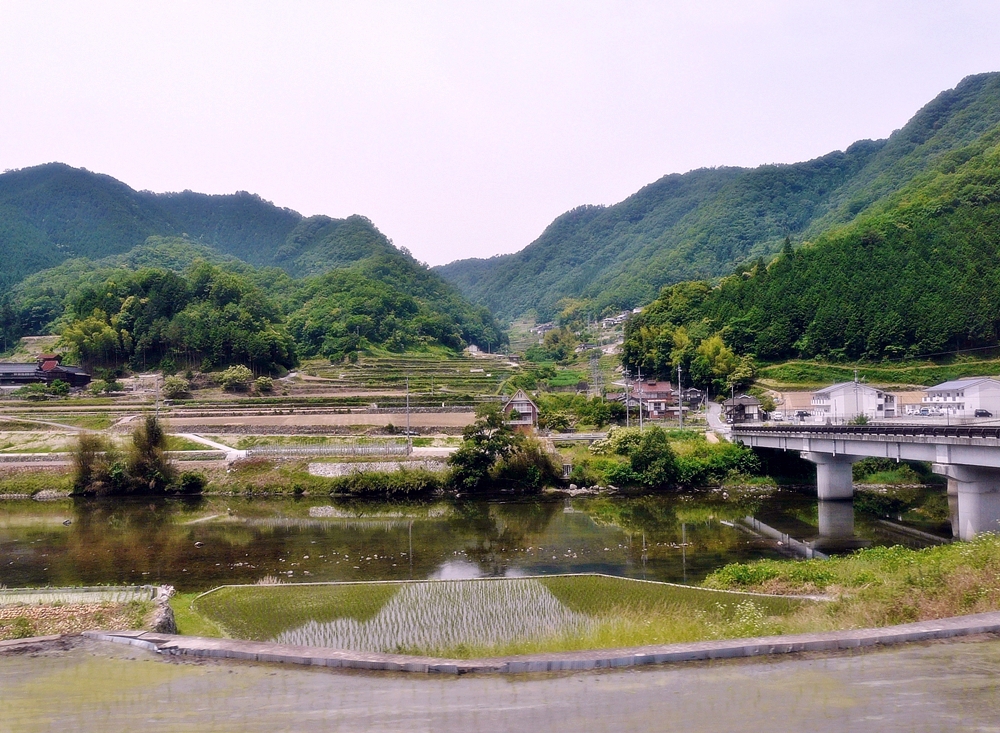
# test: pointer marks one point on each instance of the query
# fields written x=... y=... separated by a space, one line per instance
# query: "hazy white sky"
x=463 y=128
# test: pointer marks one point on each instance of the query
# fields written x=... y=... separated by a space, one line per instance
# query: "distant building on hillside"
x=45 y=370
x=658 y=399
x=742 y=408
x=847 y=400
x=521 y=413
x=964 y=397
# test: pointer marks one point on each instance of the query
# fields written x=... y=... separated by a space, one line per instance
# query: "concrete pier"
x=978 y=491
x=833 y=474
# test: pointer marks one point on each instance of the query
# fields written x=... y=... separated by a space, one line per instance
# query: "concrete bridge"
x=969 y=456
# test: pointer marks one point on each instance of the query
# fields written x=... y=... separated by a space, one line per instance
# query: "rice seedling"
x=433 y=618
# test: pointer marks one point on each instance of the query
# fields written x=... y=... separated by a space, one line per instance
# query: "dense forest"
x=916 y=275
x=702 y=224
x=173 y=303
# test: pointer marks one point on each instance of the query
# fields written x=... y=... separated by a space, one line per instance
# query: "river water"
x=201 y=543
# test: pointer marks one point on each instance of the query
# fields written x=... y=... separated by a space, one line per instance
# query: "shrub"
x=191 y=482
x=263 y=384
x=175 y=387
x=236 y=377
x=99 y=469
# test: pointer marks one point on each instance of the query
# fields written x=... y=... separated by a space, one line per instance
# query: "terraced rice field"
x=488 y=616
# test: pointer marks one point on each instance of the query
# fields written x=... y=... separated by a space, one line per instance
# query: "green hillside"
x=916 y=275
x=702 y=224
x=338 y=284
x=172 y=301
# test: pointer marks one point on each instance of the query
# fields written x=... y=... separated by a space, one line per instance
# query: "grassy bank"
x=883 y=585
x=913 y=373
x=27 y=481
x=258 y=476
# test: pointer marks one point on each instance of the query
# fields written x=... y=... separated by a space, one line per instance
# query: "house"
x=46 y=370
x=848 y=400
x=658 y=399
x=742 y=408
x=521 y=412
x=963 y=397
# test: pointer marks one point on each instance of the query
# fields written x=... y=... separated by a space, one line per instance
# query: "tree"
x=236 y=377
x=653 y=460
x=488 y=440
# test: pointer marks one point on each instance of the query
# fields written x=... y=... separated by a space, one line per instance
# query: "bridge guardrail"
x=937 y=431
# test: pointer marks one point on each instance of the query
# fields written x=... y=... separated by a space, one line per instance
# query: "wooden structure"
x=45 y=370
x=521 y=412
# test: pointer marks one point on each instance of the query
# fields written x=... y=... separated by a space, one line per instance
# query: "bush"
x=191 y=483
x=236 y=377
x=263 y=384
x=175 y=387
x=99 y=470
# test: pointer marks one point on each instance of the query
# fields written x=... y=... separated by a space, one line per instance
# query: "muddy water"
x=953 y=687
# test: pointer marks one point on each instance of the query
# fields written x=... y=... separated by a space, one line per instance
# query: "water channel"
x=201 y=543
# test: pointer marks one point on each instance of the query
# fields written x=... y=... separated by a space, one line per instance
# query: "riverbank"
x=881 y=586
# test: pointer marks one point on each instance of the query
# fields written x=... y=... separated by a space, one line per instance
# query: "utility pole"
x=640 y=397
x=627 y=424
x=680 y=398
x=409 y=439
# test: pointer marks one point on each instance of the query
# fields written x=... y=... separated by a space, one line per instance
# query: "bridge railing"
x=937 y=431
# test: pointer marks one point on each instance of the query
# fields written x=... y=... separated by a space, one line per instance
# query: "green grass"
x=811 y=374
x=189 y=621
x=602 y=612
x=883 y=585
x=31 y=482
x=264 y=611
x=176 y=442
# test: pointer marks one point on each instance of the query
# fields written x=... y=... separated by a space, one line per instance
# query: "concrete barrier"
x=983 y=623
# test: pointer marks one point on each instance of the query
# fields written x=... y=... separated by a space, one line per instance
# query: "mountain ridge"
x=707 y=222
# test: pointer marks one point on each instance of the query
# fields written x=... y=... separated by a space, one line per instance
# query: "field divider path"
x=232 y=454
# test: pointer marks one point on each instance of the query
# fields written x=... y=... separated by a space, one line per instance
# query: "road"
x=938 y=687
x=715 y=421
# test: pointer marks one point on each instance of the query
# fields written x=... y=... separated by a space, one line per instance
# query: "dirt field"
x=417 y=420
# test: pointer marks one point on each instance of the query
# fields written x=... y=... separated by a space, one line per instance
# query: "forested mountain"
x=52 y=213
x=703 y=223
x=174 y=302
x=917 y=274
x=88 y=257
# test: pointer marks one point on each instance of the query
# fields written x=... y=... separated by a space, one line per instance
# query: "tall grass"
x=881 y=585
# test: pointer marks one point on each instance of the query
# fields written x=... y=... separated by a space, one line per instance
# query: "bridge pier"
x=978 y=491
x=833 y=475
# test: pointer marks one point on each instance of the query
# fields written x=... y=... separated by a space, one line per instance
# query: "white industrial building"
x=847 y=400
x=963 y=397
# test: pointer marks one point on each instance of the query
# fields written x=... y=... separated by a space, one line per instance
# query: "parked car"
x=983 y=413
x=924 y=411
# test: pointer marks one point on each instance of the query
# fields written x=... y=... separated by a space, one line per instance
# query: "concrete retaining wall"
x=561 y=661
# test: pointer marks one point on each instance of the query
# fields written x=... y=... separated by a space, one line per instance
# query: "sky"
x=462 y=129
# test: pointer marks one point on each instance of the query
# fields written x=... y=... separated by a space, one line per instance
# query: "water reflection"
x=200 y=543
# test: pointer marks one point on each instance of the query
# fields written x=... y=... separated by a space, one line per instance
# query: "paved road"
x=938 y=687
x=715 y=421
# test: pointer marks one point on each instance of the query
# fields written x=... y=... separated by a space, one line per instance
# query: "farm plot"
x=485 y=617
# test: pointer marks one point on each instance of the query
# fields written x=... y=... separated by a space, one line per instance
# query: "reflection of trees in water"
x=656 y=525
x=495 y=530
